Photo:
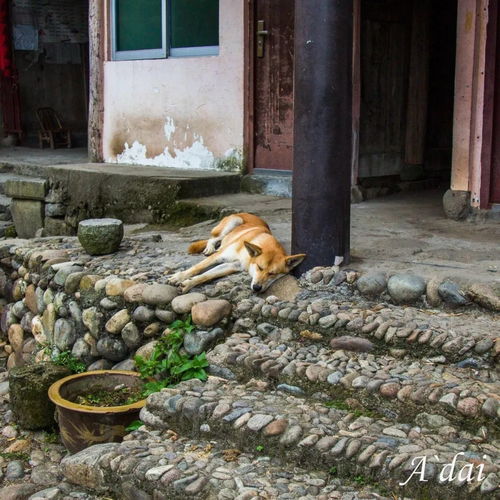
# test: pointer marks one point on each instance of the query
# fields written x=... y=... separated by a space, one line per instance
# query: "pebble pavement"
x=329 y=394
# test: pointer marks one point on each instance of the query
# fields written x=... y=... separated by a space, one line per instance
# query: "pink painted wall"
x=179 y=111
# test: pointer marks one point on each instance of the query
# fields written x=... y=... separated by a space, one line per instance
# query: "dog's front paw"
x=177 y=278
x=186 y=285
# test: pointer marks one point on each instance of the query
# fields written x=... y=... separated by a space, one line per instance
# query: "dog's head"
x=267 y=266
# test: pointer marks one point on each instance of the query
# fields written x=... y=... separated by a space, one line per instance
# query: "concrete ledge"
x=27 y=188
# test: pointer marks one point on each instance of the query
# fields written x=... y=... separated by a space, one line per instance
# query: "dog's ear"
x=294 y=260
x=252 y=249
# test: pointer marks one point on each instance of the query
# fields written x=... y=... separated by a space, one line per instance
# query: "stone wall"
x=52 y=305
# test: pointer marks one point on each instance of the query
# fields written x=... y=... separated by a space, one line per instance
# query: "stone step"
x=402 y=388
x=314 y=436
x=162 y=465
x=422 y=333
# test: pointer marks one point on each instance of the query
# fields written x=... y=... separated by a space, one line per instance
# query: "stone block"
x=27 y=189
x=57 y=227
x=456 y=204
x=100 y=236
x=28 y=217
x=55 y=210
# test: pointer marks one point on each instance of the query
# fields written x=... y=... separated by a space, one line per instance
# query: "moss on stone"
x=28 y=386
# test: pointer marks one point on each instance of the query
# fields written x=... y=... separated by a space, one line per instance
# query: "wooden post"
x=96 y=80
x=462 y=111
x=323 y=131
x=416 y=116
x=356 y=89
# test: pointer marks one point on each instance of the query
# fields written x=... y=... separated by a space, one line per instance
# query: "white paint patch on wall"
x=169 y=128
x=196 y=156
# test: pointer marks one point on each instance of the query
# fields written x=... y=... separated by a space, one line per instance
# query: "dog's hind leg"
x=225 y=226
x=214 y=273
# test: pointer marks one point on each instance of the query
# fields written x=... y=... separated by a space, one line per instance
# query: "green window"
x=153 y=29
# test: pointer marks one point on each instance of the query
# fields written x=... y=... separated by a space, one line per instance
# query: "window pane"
x=138 y=24
x=194 y=23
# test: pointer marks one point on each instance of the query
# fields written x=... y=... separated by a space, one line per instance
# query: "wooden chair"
x=51 y=129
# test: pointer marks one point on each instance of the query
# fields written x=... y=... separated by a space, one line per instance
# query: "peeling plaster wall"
x=178 y=112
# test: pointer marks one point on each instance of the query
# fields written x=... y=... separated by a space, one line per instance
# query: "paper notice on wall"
x=25 y=37
x=57 y=20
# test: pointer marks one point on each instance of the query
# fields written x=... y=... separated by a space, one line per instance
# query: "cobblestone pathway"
x=324 y=394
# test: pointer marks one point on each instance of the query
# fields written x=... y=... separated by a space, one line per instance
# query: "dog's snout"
x=256 y=288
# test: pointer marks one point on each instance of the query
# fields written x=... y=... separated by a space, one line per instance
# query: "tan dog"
x=240 y=242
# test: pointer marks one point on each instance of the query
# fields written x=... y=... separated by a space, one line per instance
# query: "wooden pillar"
x=96 y=80
x=462 y=109
x=418 y=84
x=356 y=89
x=323 y=131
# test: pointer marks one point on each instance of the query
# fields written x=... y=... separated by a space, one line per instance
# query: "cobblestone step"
x=313 y=436
x=423 y=333
x=161 y=465
x=402 y=388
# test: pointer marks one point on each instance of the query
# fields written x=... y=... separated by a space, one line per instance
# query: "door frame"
x=249 y=85
x=491 y=99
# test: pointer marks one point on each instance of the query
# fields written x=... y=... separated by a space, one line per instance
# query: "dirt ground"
x=402 y=232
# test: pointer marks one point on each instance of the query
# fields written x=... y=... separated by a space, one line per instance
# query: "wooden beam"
x=96 y=80
x=321 y=199
x=418 y=84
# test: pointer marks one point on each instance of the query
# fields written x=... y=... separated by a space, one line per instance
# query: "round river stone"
x=100 y=236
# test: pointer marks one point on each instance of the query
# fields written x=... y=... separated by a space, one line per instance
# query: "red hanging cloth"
x=5 y=40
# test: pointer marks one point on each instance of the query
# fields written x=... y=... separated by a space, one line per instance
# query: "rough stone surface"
x=372 y=285
x=405 y=288
x=349 y=343
x=116 y=323
x=456 y=204
x=451 y=294
x=182 y=304
x=210 y=312
x=112 y=348
x=198 y=341
x=159 y=294
x=100 y=236
x=485 y=296
x=28 y=393
x=28 y=217
x=64 y=334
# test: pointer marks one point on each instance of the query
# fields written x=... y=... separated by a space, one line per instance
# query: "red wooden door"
x=495 y=146
x=273 y=93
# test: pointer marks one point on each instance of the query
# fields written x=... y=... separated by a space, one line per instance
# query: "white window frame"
x=207 y=50
x=128 y=55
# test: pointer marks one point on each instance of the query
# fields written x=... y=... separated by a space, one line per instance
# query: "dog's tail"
x=197 y=246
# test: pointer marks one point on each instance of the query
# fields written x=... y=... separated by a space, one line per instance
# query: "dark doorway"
x=50 y=46
x=407 y=52
x=495 y=152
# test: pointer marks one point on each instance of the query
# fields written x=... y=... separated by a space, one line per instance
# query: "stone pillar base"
x=456 y=204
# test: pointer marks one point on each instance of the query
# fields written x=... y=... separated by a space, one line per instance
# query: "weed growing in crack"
x=169 y=364
x=67 y=359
